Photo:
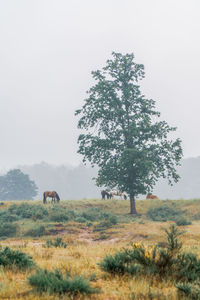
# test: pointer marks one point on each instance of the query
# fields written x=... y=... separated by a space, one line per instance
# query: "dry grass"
x=83 y=253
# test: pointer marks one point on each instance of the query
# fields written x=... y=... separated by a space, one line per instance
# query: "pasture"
x=73 y=237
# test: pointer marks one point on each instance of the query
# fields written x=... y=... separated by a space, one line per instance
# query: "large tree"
x=122 y=131
x=16 y=185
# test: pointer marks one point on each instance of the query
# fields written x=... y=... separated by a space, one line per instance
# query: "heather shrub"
x=101 y=226
x=36 y=231
x=8 y=229
x=189 y=290
x=56 y=282
x=26 y=210
x=119 y=263
x=58 y=217
x=96 y=214
x=6 y=216
x=80 y=220
x=59 y=214
x=181 y=221
x=11 y=258
x=163 y=213
x=58 y=242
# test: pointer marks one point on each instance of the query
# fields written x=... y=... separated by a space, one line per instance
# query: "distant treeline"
x=76 y=182
x=69 y=182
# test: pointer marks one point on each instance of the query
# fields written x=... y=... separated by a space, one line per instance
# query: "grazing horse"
x=118 y=193
x=50 y=194
x=105 y=194
x=151 y=196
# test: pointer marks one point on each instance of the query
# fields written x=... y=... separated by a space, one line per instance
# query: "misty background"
x=48 y=50
x=77 y=182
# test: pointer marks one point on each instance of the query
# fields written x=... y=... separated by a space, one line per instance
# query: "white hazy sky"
x=49 y=47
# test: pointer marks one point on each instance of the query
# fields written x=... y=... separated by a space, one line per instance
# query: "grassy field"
x=93 y=229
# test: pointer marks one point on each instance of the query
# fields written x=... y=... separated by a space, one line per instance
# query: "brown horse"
x=51 y=194
x=151 y=196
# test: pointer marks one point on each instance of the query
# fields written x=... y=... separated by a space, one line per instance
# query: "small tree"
x=16 y=185
x=123 y=134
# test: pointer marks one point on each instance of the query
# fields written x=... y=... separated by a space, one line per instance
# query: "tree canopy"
x=123 y=133
x=16 y=185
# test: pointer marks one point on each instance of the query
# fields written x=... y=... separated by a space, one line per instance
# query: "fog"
x=49 y=48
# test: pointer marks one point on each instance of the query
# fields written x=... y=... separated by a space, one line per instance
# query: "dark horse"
x=105 y=194
x=53 y=195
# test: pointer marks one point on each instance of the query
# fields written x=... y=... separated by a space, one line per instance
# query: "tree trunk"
x=132 y=203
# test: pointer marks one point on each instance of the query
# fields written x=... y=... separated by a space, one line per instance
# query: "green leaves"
x=122 y=132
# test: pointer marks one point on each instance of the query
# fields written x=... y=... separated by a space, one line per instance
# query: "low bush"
x=191 y=291
x=55 y=282
x=59 y=214
x=11 y=258
x=163 y=213
x=26 y=210
x=58 y=217
x=8 y=229
x=181 y=221
x=196 y=216
x=36 y=231
x=103 y=236
x=101 y=226
x=91 y=214
x=119 y=264
x=96 y=214
x=80 y=220
x=57 y=243
x=6 y=216
x=188 y=268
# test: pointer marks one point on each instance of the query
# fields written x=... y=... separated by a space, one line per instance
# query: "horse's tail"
x=44 y=198
x=57 y=197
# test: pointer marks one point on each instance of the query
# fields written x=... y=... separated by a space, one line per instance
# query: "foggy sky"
x=49 y=48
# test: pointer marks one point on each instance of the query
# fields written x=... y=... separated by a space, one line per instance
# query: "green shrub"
x=55 y=282
x=89 y=224
x=59 y=214
x=26 y=210
x=18 y=259
x=57 y=243
x=6 y=216
x=191 y=291
x=37 y=231
x=188 y=267
x=59 y=217
x=92 y=214
x=181 y=221
x=8 y=229
x=96 y=214
x=93 y=277
x=103 y=236
x=119 y=264
x=196 y=216
x=80 y=220
x=101 y=226
x=163 y=213
x=71 y=214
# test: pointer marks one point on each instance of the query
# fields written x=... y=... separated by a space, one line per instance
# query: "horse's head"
x=57 y=197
